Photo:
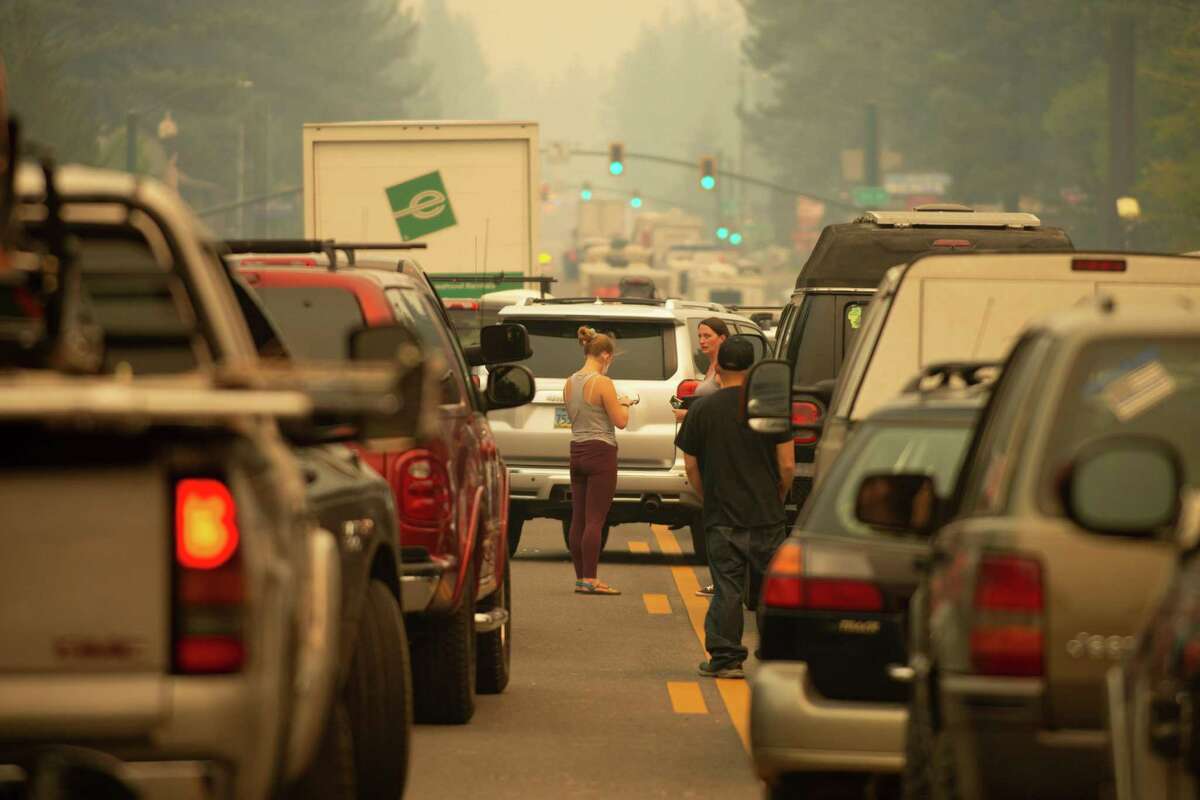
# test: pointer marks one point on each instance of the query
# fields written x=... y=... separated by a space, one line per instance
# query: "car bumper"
x=1001 y=746
x=542 y=488
x=421 y=581
x=794 y=729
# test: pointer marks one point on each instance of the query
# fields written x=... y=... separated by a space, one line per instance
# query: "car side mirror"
x=901 y=502
x=767 y=399
x=1124 y=485
x=509 y=386
x=503 y=343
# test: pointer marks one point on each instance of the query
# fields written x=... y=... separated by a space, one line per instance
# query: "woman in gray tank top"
x=596 y=412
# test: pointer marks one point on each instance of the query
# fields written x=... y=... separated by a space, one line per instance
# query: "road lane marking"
x=639 y=547
x=686 y=697
x=735 y=693
x=657 y=603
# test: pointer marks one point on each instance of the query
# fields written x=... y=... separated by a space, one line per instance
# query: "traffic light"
x=722 y=233
x=708 y=173
x=616 y=158
x=545 y=192
x=636 y=200
x=585 y=193
x=735 y=238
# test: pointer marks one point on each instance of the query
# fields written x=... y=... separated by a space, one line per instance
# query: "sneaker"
x=732 y=671
x=706 y=591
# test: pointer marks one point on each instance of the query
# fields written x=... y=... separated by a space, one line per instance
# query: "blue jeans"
x=738 y=558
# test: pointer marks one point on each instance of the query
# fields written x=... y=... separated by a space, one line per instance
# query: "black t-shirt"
x=737 y=466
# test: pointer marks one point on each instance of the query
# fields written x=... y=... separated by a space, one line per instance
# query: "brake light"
x=1006 y=638
x=687 y=388
x=209 y=586
x=459 y=305
x=206 y=532
x=805 y=413
x=787 y=586
x=842 y=595
x=424 y=488
x=952 y=243
x=1097 y=265
x=782 y=584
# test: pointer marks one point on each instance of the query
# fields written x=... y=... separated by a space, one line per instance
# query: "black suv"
x=820 y=324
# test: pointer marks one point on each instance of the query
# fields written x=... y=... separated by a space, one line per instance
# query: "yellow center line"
x=686 y=697
x=734 y=692
x=657 y=603
x=639 y=547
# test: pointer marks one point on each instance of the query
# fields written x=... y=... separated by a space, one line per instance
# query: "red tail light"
x=1097 y=265
x=687 y=388
x=787 y=586
x=461 y=305
x=424 y=488
x=1006 y=638
x=805 y=413
x=209 y=586
x=952 y=243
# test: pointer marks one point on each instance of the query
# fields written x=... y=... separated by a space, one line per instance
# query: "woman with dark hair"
x=595 y=411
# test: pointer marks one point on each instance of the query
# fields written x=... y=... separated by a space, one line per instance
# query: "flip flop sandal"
x=583 y=587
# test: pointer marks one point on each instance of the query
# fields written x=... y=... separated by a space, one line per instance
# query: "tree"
x=459 y=86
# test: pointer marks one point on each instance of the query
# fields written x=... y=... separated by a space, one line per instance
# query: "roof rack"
x=330 y=247
x=640 y=301
x=497 y=278
x=939 y=218
x=944 y=373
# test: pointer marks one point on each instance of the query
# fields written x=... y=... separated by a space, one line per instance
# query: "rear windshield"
x=314 y=320
x=1142 y=386
x=876 y=448
x=645 y=350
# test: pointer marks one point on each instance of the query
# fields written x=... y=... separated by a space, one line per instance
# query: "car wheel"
x=378 y=696
x=443 y=657
x=699 y=542
x=566 y=528
x=494 y=649
x=516 y=521
x=330 y=776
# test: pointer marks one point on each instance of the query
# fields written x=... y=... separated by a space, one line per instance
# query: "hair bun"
x=585 y=335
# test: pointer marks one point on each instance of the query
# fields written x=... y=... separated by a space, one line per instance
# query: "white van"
x=971 y=307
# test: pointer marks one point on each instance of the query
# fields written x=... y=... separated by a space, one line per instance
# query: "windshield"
x=1141 y=386
x=889 y=448
x=645 y=350
x=314 y=320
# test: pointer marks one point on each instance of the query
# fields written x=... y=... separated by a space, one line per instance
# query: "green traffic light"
x=616 y=168
x=585 y=195
x=722 y=233
x=708 y=182
x=635 y=201
x=735 y=239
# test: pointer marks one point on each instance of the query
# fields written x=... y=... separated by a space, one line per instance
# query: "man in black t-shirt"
x=742 y=477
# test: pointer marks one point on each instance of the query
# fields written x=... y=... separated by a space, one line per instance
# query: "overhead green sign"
x=421 y=206
x=870 y=196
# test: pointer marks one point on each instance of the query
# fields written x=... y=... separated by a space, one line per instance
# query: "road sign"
x=935 y=183
x=864 y=196
x=420 y=206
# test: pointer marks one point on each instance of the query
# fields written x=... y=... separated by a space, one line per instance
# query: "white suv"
x=657 y=352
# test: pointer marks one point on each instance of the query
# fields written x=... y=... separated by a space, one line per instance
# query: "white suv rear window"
x=645 y=350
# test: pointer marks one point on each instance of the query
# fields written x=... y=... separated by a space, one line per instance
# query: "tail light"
x=788 y=585
x=209 y=586
x=805 y=413
x=1097 y=265
x=462 y=305
x=687 y=388
x=1006 y=638
x=423 y=488
x=952 y=244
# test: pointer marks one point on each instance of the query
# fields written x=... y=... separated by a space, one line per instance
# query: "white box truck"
x=470 y=190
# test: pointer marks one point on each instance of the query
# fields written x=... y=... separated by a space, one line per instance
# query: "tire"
x=918 y=741
x=699 y=542
x=566 y=528
x=516 y=521
x=493 y=650
x=443 y=662
x=378 y=696
x=330 y=776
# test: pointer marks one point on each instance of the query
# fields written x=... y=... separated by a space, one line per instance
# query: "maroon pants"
x=593 y=482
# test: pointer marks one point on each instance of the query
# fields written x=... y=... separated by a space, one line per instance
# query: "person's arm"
x=785 y=456
x=693 y=472
x=616 y=408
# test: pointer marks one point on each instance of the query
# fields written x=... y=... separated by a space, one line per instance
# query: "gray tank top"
x=707 y=386
x=588 y=422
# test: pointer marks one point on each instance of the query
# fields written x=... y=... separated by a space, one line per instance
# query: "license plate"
x=561 y=420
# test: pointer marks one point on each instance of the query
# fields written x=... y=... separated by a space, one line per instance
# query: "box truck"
x=467 y=189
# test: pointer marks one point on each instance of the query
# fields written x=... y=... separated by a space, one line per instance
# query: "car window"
x=853 y=314
x=1142 y=386
x=314 y=320
x=935 y=450
x=994 y=457
x=467 y=319
x=645 y=350
x=755 y=335
x=416 y=310
x=811 y=349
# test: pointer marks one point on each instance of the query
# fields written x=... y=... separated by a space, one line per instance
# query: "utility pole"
x=1122 y=166
x=871 y=147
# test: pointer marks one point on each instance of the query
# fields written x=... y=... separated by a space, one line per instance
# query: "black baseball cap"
x=736 y=354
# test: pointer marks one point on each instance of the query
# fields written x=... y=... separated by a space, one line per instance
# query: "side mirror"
x=1124 y=485
x=503 y=343
x=902 y=502
x=509 y=386
x=767 y=399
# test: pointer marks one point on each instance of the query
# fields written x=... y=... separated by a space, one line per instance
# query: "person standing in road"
x=595 y=412
x=711 y=333
x=742 y=478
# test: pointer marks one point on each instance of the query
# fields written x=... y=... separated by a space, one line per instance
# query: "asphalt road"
x=604 y=701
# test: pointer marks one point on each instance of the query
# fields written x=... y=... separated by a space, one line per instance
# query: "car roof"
x=671 y=309
x=384 y=274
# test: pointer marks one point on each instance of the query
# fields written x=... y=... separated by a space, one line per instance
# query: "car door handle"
x=901 y=673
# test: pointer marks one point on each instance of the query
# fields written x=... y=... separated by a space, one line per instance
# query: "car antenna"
x=987 y=313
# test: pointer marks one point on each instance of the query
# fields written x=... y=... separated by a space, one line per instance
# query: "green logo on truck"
x=420 y=206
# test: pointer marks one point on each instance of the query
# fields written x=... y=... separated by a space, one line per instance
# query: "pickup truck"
x=168 y=595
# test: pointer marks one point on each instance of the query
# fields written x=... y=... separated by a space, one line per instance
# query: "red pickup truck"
x=451 y=491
